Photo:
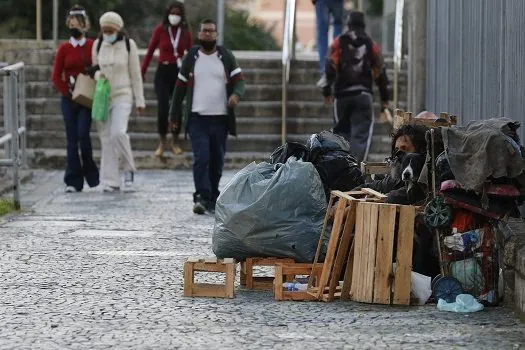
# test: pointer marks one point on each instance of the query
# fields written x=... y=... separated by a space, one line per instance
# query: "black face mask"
x=208 y=45
x=75 y=33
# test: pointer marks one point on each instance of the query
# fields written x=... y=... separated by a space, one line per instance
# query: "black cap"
x=356 y=19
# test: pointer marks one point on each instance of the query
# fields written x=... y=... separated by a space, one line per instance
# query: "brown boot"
x=176 y=149
x=162 y=147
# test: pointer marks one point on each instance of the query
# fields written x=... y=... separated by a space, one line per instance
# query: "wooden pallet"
x=339 y=246
x=225 y=266
x=373 y=277
x=288 y=272
x=402 y=118
x=374 y=168
x=259 y=283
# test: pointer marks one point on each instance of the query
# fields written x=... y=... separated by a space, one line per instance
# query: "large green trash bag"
x=99 y=111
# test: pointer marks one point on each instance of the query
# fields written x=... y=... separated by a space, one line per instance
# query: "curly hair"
x=416 y=134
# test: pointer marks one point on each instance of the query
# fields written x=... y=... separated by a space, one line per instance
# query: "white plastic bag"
x=463 y=303
x=420 y=287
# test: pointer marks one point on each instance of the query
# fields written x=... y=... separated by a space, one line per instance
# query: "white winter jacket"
x=122 y=69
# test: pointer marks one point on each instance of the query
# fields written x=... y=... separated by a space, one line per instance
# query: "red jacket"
x=70 y=61
x=161 y=39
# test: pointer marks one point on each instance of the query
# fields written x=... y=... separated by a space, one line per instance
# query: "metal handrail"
x=15 y=139
x=398 y=47
x=288 y=54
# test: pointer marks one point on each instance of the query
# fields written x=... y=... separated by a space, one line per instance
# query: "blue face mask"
x=110 y=38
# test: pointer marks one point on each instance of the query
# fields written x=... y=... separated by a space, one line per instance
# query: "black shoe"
x=199 y=208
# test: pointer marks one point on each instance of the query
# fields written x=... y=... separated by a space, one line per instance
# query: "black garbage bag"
x=289 y=149
x=270 y=210
x=337 y=167
x=326 y=142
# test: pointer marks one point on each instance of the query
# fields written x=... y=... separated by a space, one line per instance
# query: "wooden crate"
x=342 y=212
x=225 y=266
x=374 y=168
x=259 y=283
x=288 y=272
x=377 y=227
x=402 y=118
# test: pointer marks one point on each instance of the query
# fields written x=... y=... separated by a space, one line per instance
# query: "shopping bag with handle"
x=99 y=111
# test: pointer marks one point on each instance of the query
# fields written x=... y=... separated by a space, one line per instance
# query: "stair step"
x=305 y=109
x=245 y=59
x=255 y=125
x=42 y=73
x=266 y=92
x=149 y=141
x=56 y=159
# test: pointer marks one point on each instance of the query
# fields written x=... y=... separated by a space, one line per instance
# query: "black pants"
x=354 y=120
x=208 y=135
x=78 y=125
x=165 y=79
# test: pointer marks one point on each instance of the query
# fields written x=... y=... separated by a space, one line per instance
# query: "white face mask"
x=174 y=19
x=110 y=38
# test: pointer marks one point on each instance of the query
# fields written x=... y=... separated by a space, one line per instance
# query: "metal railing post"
x=23 y=115
x=7 y=114
x=15 y=140
x=288 y=54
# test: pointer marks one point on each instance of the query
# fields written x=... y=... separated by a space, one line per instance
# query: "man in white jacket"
x=118 y=61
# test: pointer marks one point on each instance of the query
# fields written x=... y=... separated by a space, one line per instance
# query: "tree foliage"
x=140 y=17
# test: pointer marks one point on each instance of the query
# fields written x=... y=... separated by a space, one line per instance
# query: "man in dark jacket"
x=213 y=84
x=354 y=62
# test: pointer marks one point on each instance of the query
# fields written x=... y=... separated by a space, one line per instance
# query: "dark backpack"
x=355 y=63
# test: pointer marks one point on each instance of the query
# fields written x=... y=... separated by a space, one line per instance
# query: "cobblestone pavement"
x=94 y=271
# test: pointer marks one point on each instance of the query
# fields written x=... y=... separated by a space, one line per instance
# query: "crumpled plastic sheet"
x=464 y=303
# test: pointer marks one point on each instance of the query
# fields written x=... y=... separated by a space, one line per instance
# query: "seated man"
x=407 y=139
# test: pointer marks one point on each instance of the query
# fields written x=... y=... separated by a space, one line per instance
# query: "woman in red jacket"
x=73 y=58
x=173 y=38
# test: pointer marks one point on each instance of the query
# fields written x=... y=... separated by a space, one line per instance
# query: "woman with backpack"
x=73 y=58
x=116 y=59
x=173 y=39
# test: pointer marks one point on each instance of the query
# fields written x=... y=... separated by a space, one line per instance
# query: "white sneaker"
x=110 y=189
x=70 y=189
x=322 y=82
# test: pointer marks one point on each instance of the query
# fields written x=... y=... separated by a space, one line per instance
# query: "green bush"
x=140 y=17
x=6 y=206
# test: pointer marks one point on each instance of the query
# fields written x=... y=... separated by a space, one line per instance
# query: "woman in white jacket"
x=117 y=59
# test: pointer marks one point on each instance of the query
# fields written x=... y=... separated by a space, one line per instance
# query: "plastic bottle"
x=295 y=287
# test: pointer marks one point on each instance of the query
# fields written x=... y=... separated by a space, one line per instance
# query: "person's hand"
x=328 y=100
x=140 y=110
x=233 y=101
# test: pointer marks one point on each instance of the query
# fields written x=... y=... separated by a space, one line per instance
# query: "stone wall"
x=514 y=267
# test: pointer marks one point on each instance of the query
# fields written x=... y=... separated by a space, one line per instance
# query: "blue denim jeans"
x=208 y=136
x=323 y=10
x=77 y=120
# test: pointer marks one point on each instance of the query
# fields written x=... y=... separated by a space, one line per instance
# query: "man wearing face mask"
x=173 y=39
x=213 y=84
x=73 y=58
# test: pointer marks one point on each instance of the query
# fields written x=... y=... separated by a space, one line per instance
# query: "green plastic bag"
x=99 y=111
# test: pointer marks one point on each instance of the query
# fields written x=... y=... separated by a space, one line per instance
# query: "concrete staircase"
x=259 y=114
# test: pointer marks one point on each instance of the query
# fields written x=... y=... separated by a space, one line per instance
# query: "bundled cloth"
x=483 y=149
